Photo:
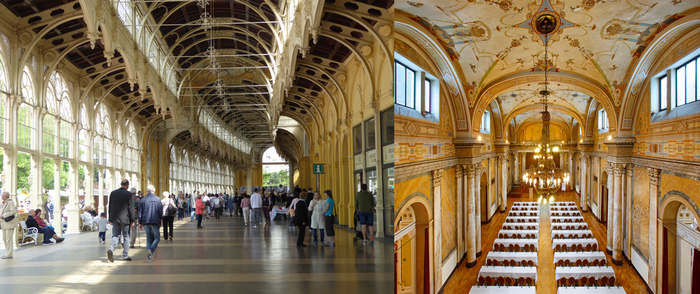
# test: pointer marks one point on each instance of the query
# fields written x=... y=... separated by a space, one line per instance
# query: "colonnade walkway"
x=224 y=257
x=464 y=278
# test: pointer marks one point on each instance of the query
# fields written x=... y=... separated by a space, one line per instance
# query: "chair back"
x=23 y=224
x=592 y=281
x=521 y=281
x=603 y=281
x=603 y=262
x=509 y=281
x=489 y=281
x=611 y=281
x=501 y=280
x=489 y=262
x=572 y=282
x=584 y=281
x=567 y=262
x=528 y=281
x=482 y=280
x=562 y=282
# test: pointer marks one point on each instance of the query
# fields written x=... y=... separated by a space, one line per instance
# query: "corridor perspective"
x=197 y=97
x=547 y=146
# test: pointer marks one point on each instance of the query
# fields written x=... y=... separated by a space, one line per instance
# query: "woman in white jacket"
x=317 y=206
x=168 y=219
x=8 y=228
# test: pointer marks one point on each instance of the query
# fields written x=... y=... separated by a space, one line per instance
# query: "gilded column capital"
x=437 y=175
x=630 y=168
x=458 y=171
x=654 y=176
x=472 y=169
x=618 y=169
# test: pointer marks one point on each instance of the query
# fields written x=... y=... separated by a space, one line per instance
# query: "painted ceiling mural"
x=597 y=40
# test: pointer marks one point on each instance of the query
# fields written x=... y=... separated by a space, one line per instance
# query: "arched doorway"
x=484 y=194
x=679 y=217
x=413 y=248
x=604 y=197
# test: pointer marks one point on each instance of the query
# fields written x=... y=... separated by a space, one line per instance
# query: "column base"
x=478 y=254
x=584 y=209
x=608 y=251
x=470 y=264
x=503 y=210
x=616 y=262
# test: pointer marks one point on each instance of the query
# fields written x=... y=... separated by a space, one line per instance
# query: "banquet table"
x=521 y=232
x=562 y=204
x=563 y=208
x=503 y=290
x=582 y=271
x=533 y=203
x=517 y=256
x=573 y=256
x=584 y=290
x=564 y=213
x=569 y=233
x=525 y=219
x=524 y=208
x=520 y=226
x=514 y=272
x=520 y=242
x=570 y=242
x=575 y=219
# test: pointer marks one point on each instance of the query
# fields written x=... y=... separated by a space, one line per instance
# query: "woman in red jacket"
x=199 y=209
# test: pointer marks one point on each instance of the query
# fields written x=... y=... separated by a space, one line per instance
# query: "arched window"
x=25 y=128
x=58 y=110
x=4 y=111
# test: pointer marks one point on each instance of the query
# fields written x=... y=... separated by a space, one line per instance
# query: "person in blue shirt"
x=329 y=218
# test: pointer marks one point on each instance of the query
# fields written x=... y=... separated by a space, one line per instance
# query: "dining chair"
x=603 y=262
x=595 y=262
x=567 y=262
x=594 y=247
x=588 y=247
x=592 y=282
x=510 y=247
x=557 y=248
x=489 y=281
x=500 y=235
x=509 y=281
x=482 y=280
x=530 y=263
x=611 y=281
x=495 y=246
x=579 y=247
x=506 y=262
x=572 y=282
x=521 y=281
x=501 y=280
x=528 y=281
x=502 y=247
x=564 y=247
x=517 y=247
x=562 y=282
x=513 y=262
x=585 y=262
x=578 y=262
x=584 y=281
x=603 y=281
x=489 y=262
x=560 y=262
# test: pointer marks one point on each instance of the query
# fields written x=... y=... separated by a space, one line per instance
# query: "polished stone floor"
x=224 y=257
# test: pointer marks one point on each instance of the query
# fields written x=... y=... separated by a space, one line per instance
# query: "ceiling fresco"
x=596 y=40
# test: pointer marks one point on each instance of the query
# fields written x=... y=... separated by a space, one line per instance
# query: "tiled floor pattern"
x=463 y=278
x=224 y=257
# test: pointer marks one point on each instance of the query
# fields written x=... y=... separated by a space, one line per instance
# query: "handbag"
x=9 y=218
x=171 y=209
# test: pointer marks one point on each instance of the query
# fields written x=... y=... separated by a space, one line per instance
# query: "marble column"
x=437 y=224
x=628 y=209
x=617 y=214
x=516 y=169
x=477 y=206
x=653 y=233
x=73 y=206
x=611 y=196
x=100 y=191
x=504 y=182
x=470 y=171
x=584 y=182
x=460 y=212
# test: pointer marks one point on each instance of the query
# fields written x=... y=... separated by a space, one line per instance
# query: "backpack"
x=217 y=202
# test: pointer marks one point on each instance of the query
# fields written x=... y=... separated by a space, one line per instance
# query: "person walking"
x=9 y=212
x=199 y=210
x=230 y=205
x=245 y=204
x=121 y=216
x=267 y=204
x=256 y=205
x=217 y=204
x=167 y=216
x=316 y=208
x=205 y=200
x=329 y=217
x=150 y=214
x=364 y=205
x=302 y=218
x=193 y=204
x=182 y=205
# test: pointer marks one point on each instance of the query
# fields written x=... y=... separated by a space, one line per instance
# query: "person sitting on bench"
x=46 y=230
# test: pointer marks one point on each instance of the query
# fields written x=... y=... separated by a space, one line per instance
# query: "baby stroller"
x=358 y=229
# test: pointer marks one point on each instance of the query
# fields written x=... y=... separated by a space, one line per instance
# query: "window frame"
x=425 y=91
x=685 y=67
x=485 y=126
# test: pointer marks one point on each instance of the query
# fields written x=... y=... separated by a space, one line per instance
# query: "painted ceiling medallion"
x=546 y=21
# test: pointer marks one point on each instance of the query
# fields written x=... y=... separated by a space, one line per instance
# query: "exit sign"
x=318 y=169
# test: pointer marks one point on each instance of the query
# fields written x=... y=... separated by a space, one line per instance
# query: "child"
x=102 y=227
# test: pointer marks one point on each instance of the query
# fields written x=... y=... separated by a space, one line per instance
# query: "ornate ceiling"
x=595 y=41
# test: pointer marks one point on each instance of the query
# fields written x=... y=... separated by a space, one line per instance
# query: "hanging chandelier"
x=545 y=177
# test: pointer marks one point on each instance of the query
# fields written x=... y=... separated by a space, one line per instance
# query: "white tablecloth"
x=584 y=290
x=503 y=290
x=524 y=208
x=277 y=210
x=521 y=226
x=573 y=256
x=520 y=242
x=565 y=213
x=533 y=203
x=526 y=219
x=514 y=272
x=570 y=242
x=584 y=226
x=517 y=256
x=580 y=271
x=569 y=233
x=575 y=219
x=521 y=232
x=563 y=208
x=567 y=203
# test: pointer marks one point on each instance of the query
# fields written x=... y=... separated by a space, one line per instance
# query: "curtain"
x=664 y=262
x=696 y=272
x=426 y=265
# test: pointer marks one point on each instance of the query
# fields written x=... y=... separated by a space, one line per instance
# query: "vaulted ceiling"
x=491 y=41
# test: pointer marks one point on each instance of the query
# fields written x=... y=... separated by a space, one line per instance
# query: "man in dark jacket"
x=150 y=214
x=301 y=217
x=121 y=217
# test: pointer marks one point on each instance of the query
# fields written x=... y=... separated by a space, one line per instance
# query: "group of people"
x=10 y=220
x=317 y=213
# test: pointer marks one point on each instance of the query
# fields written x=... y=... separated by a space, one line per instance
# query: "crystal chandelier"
x=545 y=177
